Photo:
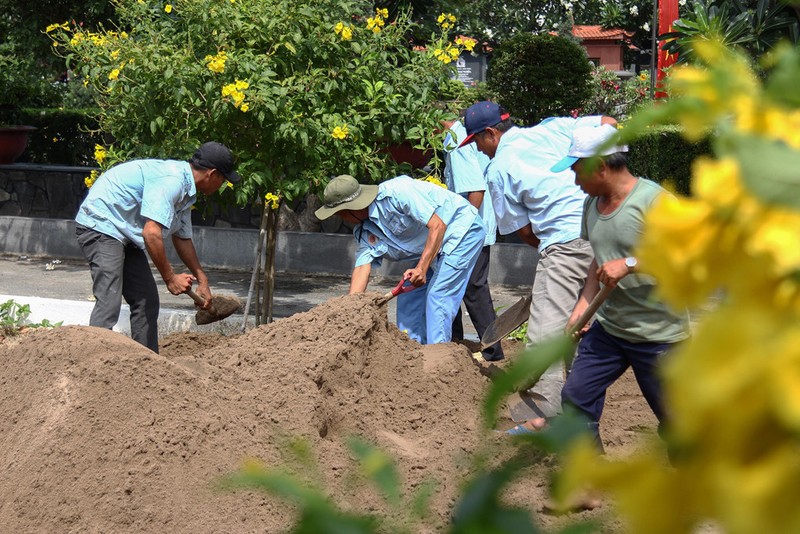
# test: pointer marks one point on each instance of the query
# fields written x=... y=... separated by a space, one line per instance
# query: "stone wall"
x=28 y=190
x=56 y=192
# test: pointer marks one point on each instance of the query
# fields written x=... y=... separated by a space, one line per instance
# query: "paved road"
x=62 y=291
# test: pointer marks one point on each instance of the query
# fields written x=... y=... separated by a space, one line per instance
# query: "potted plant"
x=20 y=87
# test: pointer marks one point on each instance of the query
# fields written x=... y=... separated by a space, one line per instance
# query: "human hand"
x=205 y=292
x=415 y=276
x=612 y=272
x=179 y=283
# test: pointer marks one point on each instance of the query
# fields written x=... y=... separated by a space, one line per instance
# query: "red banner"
x=667 y=14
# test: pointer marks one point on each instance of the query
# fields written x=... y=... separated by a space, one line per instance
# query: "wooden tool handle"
x=200 y=301
x=590 y=311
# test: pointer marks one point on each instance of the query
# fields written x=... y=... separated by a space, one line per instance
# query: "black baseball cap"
x=213 y=155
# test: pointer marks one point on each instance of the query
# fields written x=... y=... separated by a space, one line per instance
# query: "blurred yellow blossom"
x=168 y=8
x=340 y=132
x=733 y=390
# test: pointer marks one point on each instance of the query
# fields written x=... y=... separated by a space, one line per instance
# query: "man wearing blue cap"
x=464 y=175
x=544 y=209
x=633 y=329
x=124 y=218
x=406 y=219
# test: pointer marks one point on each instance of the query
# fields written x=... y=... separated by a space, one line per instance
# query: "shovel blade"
x=221 y=307
x=507 y=322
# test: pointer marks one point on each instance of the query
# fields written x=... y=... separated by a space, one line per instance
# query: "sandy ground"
x=101 y=435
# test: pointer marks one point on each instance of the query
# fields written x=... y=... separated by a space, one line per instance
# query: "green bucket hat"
x=345 y=193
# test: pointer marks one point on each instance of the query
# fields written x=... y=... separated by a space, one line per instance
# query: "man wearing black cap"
x=128 y=211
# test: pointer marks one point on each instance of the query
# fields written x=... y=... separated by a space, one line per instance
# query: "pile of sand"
x=99 y=434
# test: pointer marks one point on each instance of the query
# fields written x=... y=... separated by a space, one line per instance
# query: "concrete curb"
x=231 y=248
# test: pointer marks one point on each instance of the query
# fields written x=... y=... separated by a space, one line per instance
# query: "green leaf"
x=769 y=168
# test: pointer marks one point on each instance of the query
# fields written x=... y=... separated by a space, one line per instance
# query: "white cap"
x=585 y=144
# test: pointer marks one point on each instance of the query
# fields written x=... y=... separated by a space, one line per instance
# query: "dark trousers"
x=478 y=302
x=121 y=271
x=601 y=360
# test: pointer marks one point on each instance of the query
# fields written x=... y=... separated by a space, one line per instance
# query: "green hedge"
x=64 y=137
x=666 y=157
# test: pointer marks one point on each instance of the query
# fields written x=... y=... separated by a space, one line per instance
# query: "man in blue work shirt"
x=544 y=208
x=407 y=219
x=463 y=175
x=129 y=210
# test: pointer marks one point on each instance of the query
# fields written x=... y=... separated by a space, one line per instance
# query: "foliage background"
x=299 y=90
x=539 y=76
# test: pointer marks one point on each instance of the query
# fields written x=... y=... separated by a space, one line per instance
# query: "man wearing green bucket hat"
x=406 y=219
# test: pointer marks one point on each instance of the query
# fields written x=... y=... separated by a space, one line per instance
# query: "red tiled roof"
x=598 y=33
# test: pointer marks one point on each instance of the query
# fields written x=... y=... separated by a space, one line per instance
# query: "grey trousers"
x=560 y=276
x=121 y=271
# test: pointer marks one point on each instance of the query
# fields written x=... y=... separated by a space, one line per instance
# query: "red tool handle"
x=400 y=288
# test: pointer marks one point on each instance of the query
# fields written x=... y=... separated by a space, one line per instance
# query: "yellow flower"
x=384 y=13
x=168 y=8
x=338 y=28
x=56 y=26
x=91 y=179
x=433 y=179
x=115 y=54
x=340 y=132
x=123 y=35
x=216 y=63
x=100 y=153
x=347 y=34
x=273 y=200
x=241 y=85
x=244 y=107
x=114 y=74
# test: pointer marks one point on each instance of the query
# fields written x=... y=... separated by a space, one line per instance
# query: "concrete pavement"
x=61 y=290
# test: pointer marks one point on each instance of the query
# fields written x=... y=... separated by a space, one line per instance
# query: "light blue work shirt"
x=125 y=196
x=524 y=190
x=463 y=174
x=397 y=221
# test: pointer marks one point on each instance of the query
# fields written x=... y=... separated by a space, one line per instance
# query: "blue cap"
x=480 y=116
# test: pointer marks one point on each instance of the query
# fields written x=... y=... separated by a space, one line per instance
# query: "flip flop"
x=520 y=430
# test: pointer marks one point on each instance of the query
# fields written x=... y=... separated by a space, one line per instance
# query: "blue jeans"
x=427 y=313
x=601 y=360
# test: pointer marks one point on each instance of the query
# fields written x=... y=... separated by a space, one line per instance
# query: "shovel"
x=506 y=322
x=221 y=307
x=398 y=289
x=521 y=405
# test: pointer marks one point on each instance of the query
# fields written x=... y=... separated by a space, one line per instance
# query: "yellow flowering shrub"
x=297 y=89
x=733 y=390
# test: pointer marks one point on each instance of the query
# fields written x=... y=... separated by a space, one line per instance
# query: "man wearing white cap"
x=407 y=219
x=544 y=209
x=633 y=329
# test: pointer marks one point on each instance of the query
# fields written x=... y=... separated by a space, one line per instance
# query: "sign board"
x=470 y=69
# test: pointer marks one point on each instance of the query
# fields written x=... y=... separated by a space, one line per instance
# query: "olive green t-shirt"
x=631 y=311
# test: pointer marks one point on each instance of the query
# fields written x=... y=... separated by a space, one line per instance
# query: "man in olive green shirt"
x=632 y=328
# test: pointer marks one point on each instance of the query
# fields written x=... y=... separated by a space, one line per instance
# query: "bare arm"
x=154 y=243
x=527 y=236
x=360 y=278
x=436 y=229
x=188 y=255
x=605 y=119
x=476 y=198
